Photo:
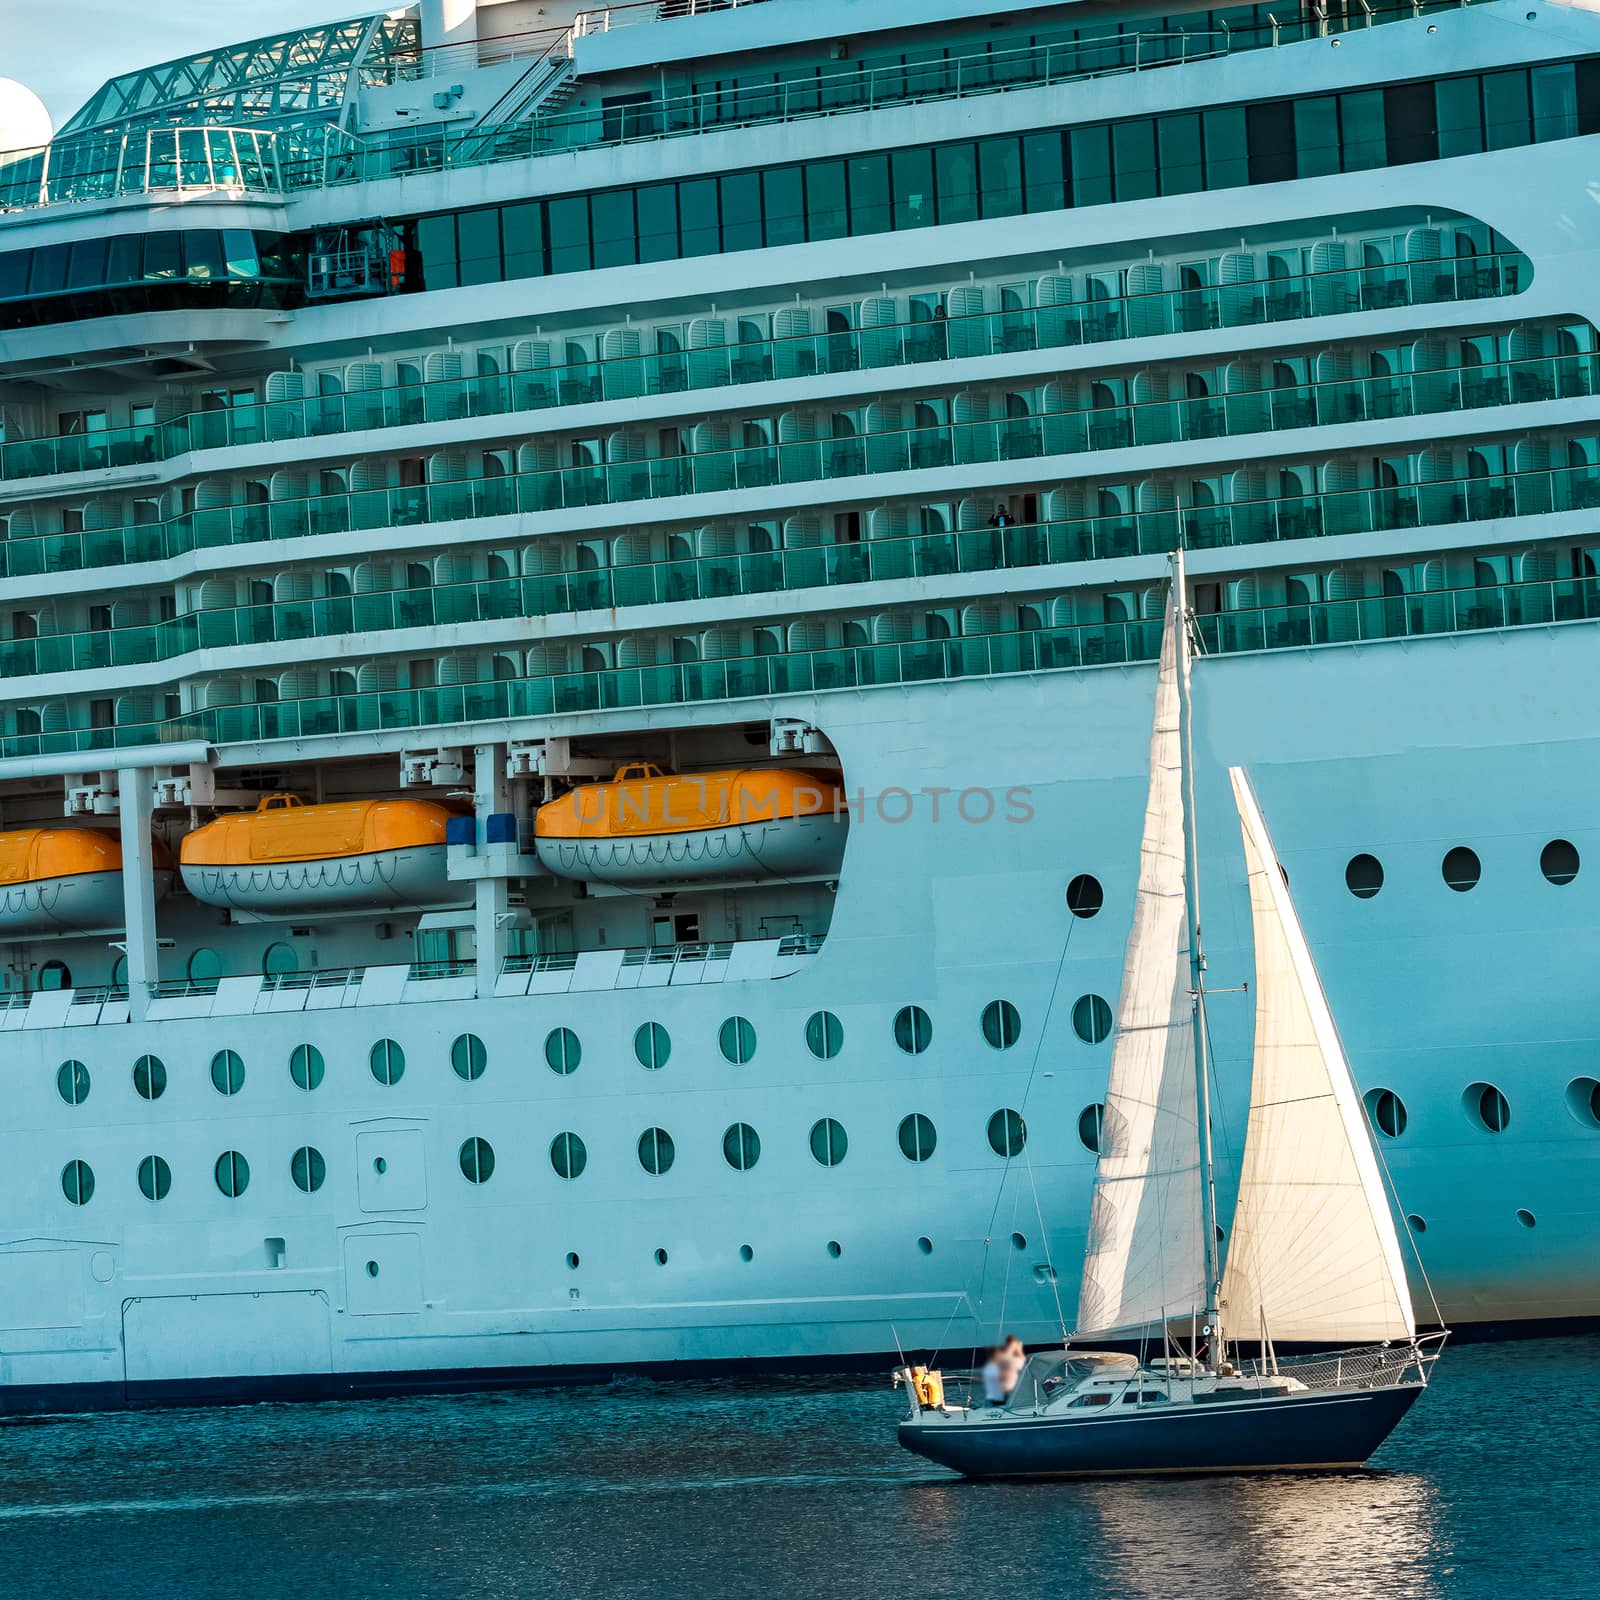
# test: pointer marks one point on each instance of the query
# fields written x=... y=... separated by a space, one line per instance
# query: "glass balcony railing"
x=882 y=559
x=1464 y=278
x=862 y=666
x=1402 y=616
x=754 y=466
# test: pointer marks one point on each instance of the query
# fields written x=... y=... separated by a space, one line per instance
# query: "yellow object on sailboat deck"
x=929 y=1387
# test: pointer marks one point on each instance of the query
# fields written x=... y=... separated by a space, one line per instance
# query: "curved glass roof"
x=291 y=77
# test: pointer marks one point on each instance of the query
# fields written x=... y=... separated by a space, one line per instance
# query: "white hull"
x=786 y=848
x=78 y=901
x=381 y=878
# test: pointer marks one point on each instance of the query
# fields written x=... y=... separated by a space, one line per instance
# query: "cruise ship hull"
x=607 y=448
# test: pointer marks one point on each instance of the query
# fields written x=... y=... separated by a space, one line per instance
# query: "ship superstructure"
x=580 y=598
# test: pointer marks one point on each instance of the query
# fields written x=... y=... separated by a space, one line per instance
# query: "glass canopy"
x=294 y=77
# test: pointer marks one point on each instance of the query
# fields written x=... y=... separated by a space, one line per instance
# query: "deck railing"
x=1027 y=649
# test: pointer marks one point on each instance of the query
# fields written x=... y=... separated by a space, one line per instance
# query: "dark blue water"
x=1491 y=1489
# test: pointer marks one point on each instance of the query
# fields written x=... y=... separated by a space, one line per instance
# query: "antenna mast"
x=1197 y=968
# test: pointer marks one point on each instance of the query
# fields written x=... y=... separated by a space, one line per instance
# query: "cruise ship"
x=580 y=601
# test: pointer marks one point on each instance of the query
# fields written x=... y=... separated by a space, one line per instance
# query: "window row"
x=828 y=1142
x=1000 y=1025
x=1461 y=868
x=1096 y=164
x=1484 y=1105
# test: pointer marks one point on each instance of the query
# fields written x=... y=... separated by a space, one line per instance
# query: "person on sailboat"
x=995 y=1377
x=1014 y=1358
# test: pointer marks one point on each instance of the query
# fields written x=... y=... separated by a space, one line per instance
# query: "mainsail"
x=1313 y=1251
x=1145 y=1257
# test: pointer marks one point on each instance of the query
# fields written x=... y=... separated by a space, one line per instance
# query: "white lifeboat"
x=648 y=827
x=55 y=880
x=286 y=857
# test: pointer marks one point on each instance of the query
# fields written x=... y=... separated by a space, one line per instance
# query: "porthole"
x=917 y=1136
x=1007 y=1133
x=913 y=1030
x=572 y=1260
x=155 y=1178
x=1019 y=1241
x=379 y=1165
x=1085 y=896
x=278 y=959
x=746 y=1253
x=1486 y=1106
x=568 y=1155
x=1363 y=876
x=72 y=1082
x=1091 y=1122
x=204 y=967
x=1002 y=1027
x=1387 y=1111
x=1415 y=1223
x=150 y=1077
x=476 y=1157
x=661 y=1258
x=1526 y=1217
x=651 y=1045
x=308 y=1169
x=824 y=1035
x=232 y=1174
x=372 y=1269
x=741 y=1147
x=77 y=1182
x=656 y=1152
x=1461 y=869
x=736 y=1038
x=1091 y=1018
x=306 y=1066
x=54 y=975
x=925 y=1245
x=829 y=1142
x=1583 y=1101
x=227 y=1072
x=1558 y=861
x=468 y=1057
x=562 y=1052
x=388 y=1062
x=835 y=1249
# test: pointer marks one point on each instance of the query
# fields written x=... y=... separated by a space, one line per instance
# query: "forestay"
x=1313 y=1249
x=1145 y=1261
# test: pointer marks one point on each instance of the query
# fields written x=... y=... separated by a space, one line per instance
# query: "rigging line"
x=1044 y=1235
x=1411 y=1238
x=1027 y=1088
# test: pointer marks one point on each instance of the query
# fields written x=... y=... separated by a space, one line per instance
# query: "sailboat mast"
x=1197 y=963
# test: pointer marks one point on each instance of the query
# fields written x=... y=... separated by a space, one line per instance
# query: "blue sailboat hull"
x=1304 y=1431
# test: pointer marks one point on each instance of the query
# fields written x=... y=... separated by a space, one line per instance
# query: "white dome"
x=24 y=122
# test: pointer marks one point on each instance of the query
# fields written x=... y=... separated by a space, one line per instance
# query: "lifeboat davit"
x=650 y=827
x=287 y=857
x=62 y=879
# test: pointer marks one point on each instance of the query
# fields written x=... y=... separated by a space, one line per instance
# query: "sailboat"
x=1313 y=1256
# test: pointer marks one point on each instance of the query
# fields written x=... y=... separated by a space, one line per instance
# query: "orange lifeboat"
x=287 y=857
x=647 y=826
x=61 y=879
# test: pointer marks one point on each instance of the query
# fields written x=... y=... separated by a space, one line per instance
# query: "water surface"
x=1489 y=1490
